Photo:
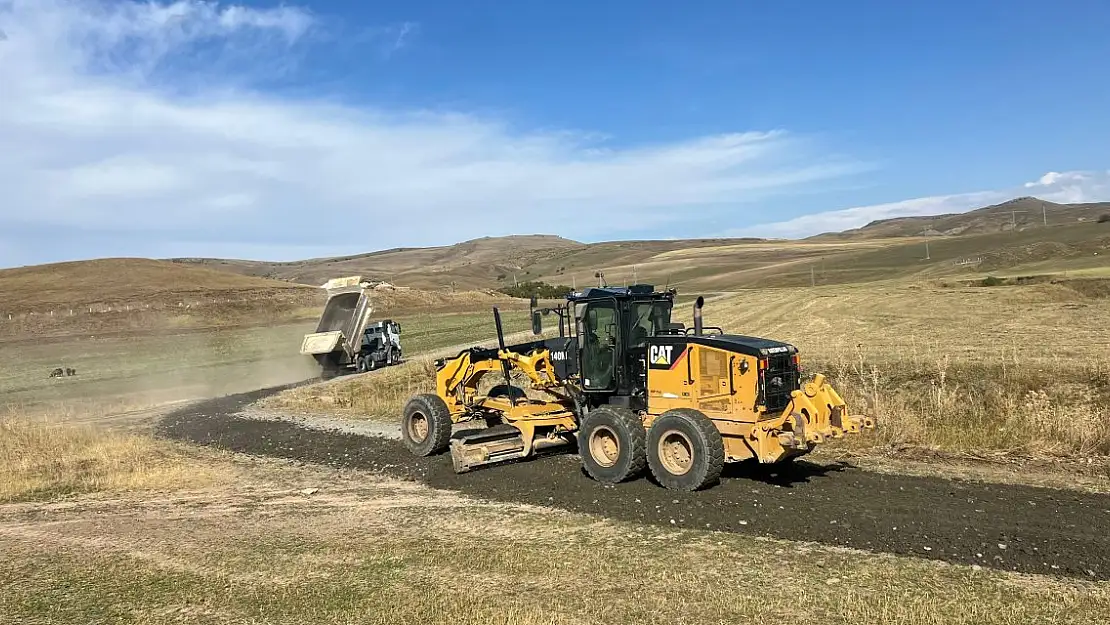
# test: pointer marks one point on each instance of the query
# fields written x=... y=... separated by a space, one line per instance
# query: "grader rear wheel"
x=611 y=444
x=426 y=425
x=685 y=450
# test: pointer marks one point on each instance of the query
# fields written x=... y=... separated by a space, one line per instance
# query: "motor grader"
x=632 y=391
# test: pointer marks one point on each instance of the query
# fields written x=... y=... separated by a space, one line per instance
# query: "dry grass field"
x=123 y=374
x=286 y=544
x=971 y=369
x=42 y=460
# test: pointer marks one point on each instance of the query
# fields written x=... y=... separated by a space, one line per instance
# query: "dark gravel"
x=1018 y=528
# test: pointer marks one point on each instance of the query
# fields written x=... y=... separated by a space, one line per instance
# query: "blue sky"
x=282 y=131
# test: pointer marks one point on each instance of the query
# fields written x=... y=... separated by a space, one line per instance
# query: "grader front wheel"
x=426 y=425
x=611 y=444
x=685 y=450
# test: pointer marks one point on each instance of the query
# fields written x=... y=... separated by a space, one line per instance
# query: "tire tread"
x=713 y=444
x=439 y=424
x=632 y=425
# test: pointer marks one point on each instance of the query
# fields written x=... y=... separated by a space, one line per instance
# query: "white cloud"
x=98 y=137
x=1072 y=187
x=1063 y=188
x=398 y=36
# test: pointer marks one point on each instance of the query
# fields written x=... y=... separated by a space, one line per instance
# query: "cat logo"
x=661 y=355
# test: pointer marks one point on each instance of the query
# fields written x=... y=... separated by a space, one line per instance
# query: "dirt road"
x=1018 y=528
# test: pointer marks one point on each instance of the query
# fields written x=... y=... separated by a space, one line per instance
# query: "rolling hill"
x=966 y=244
x=135 y=281
x=1019 y=214
x=472 y=264
x=139 y=295
x=961 y=244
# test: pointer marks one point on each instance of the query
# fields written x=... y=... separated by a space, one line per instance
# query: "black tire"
x=611 y=444
x=426 y=425
x=684 y=450
x=361 y=364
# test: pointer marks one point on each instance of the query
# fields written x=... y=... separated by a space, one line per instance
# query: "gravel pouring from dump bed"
x=1018 y=528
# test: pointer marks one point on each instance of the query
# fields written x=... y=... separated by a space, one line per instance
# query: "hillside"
x=134 y=281
x=958 y=245
x=136 y=295
x=472 y=264
x=129 y=295
x=493 y=262
x=715 y=264
x=1020 y=213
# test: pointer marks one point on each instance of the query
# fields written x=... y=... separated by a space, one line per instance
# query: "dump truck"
x=632 y=392
x=344 y=338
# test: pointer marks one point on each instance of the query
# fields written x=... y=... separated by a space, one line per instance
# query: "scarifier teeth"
x=470 y=452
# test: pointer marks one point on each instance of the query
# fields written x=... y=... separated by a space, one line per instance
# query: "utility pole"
x=927 y=257
x=1013 y=219
x=1044 y=213
x=812 y=279
x=633 y=274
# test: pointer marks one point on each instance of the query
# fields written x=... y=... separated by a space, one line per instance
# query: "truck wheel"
x=611 y=444
x=685 y=450
x=361 y=364
x=426 y=425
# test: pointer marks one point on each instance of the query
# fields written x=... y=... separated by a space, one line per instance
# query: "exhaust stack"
x=697 y=315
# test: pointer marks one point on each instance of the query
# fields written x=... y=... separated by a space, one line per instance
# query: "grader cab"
x=632 y=391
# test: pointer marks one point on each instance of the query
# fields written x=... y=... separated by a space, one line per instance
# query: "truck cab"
x=381 y=346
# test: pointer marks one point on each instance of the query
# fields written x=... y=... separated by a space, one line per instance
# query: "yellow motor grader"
x=632 y=391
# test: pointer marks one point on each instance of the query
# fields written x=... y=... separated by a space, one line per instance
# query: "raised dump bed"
x=338 y=338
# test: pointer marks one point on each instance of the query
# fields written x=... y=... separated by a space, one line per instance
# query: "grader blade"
x=497 y=444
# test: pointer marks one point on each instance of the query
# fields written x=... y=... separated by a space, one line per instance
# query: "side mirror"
x=537 y=322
